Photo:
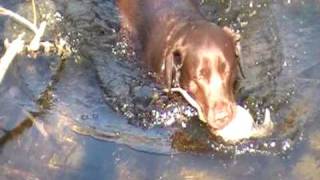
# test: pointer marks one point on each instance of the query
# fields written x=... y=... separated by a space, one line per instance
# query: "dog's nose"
x=219 y=115
x=221 y=110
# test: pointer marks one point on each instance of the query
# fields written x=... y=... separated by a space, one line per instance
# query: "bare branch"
x=38 y=125
x=191 y=101
x=19 y=18
x=35 y=43
x=34 y=13
x=13 y=49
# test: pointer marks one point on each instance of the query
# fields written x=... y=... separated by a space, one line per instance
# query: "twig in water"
x=13 y=49
x=35 y=42
x=191 y=101
x=19 y=18
x=17 y=45
x=34 y=13
x=37 y=124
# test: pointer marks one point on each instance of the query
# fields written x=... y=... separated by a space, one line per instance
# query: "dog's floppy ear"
x=234 y=35
x=173 y=64
x=236 y=39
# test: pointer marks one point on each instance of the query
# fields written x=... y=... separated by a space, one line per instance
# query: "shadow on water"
x=106 y=119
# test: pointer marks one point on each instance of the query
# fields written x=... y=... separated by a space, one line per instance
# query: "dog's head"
x=203 y=61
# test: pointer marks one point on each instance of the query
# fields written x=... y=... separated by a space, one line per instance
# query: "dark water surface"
x=105 y=119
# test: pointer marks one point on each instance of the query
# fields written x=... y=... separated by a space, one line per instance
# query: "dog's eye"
x=222 y=67
x=177 y=58
x=204 y=73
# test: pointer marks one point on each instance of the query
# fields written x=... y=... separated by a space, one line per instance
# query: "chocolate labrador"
x=185 y=50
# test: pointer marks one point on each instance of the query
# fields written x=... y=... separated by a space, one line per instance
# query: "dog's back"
x=142 y=17
x=150 y=22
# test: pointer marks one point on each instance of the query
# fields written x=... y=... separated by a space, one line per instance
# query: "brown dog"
x=186 y=50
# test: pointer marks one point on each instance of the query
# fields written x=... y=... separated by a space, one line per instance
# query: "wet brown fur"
x=184 y=49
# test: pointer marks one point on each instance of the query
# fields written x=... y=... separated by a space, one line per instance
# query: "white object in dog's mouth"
x=239 y=128
x=242 y=126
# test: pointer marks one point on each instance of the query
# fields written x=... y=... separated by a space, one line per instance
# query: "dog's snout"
x=220 y=106
x=219 y=114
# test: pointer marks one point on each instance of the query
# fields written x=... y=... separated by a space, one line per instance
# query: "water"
x=95 y=105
